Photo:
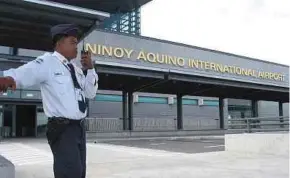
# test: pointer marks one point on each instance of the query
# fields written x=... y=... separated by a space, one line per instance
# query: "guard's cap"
x=65 y=29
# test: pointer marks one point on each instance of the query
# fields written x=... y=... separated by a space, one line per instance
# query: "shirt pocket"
x=61 y=83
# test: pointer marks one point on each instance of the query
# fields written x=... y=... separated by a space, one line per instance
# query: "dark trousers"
x=68 y=144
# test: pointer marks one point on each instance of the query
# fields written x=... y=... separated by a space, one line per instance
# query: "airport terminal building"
x=145 y=84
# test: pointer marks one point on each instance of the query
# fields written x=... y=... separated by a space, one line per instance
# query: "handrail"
x=5 y=132
x=259 y=124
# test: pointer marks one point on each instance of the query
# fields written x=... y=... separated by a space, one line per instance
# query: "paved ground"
x=182 y=145
x=115 y=159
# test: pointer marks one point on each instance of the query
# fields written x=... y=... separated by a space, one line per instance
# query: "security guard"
x=64 y=89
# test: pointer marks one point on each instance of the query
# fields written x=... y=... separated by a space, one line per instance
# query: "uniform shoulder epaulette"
x=38 y=60
x=41 y=59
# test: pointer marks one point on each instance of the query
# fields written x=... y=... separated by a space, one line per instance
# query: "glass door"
x=8 y=120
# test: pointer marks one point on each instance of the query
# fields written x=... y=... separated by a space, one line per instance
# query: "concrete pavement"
x=108 y=160
x=181 y=145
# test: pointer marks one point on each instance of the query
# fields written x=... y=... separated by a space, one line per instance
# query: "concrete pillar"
x=225 y=113
x=281 y=113
x=1 y=115
x=13 y=121
x=130 y=110
x=179 y=112
x=13 y=51
x=222 y=113
x=125 y=109
x=255 y=111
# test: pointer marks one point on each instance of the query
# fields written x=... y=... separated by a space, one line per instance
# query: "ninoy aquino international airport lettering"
x=165 y=59
x=132 y=51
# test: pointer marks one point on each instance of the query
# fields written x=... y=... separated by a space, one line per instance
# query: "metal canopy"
x=116 y=78
x=111 y=6
x=137 y=80
x=27 y=23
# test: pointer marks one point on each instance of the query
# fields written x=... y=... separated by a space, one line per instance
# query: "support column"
x=179 y=112
x=255 y=111
x=281 y=114
x=13 y=51
x=124 y=108
x=130 y=110
x=13 y=121
x=222 y=113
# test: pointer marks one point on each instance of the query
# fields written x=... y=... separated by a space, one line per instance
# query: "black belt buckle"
x=82 y=121
x=65 y=121
x=76 y=121
x=59 y=120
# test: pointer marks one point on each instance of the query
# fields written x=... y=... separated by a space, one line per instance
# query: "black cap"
x=65 y=29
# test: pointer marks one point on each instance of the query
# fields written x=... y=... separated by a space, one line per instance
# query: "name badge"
x=58 y=73
x=79 y=94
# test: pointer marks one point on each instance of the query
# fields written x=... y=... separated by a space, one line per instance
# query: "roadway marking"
x=155 y=144
x=207 y=141
x=214 y=146
x=134 y=150
x=21 y=154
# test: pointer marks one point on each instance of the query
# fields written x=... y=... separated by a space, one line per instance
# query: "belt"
x=63 y=120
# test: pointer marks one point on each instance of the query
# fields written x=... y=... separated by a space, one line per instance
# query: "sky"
x=253 y=28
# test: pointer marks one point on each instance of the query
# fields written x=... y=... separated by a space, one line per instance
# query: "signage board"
x=126 y=50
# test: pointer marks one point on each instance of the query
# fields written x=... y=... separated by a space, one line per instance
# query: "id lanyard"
x=78 y=89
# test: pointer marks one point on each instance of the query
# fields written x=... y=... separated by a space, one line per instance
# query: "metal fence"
x=150 y=124
x=259 y=124
x=5 y=132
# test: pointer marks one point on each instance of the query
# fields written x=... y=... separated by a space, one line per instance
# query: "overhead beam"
x=99 y=65
x=69 y=7
x=14 y=31
x=38 y=15
x=22 y=42
x=152 y=84
x=121 y=6
x=149 y=85
x=221 y=82
x=26 y=24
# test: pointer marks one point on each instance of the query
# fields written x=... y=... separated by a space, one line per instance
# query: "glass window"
x=28 y=94
x=108 y=97
x=29 y=52
x=10 y=94
x=154 y=100
x=4 y=50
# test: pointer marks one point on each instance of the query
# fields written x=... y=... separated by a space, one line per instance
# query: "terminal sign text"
x=156 y=58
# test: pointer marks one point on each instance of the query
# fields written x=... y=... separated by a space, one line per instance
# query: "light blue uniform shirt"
x=59 y=96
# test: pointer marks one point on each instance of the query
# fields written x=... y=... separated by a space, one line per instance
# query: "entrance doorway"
x=18 y=120
x=25 y=120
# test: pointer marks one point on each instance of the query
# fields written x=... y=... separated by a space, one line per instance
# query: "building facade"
x=21 y=112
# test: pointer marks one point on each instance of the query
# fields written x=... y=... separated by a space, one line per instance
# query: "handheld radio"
x=83 y=50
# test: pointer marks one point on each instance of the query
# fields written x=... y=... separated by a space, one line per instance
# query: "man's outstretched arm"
x=26 y=75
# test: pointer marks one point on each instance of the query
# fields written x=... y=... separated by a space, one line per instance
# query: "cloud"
x=258 y=29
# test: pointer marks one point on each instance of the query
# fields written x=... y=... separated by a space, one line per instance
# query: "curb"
x=7 y=169
x=155 y=138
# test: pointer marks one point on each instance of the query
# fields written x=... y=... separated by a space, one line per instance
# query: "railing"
x=5 y=132
x=151 y=124
x=259 y=124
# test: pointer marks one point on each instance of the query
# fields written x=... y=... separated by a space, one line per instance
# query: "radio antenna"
x=84 y=44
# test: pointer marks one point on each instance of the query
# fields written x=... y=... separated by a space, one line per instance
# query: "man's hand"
x=6 y=83
x=86 y=61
